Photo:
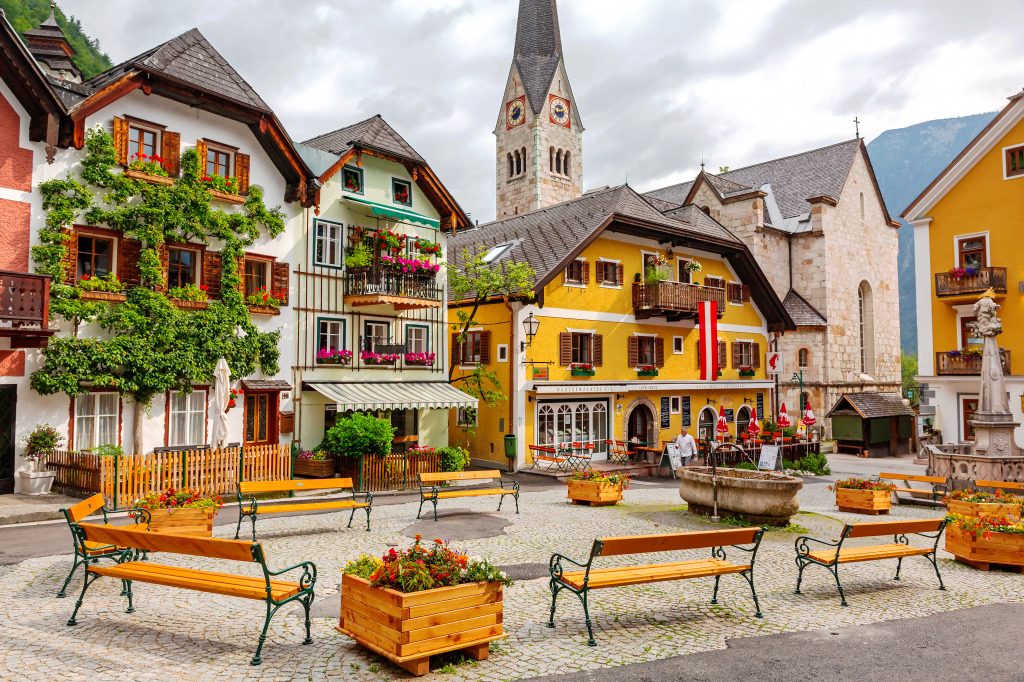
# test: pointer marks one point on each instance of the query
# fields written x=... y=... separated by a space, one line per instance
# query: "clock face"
x=559 y=109
x=515 y=112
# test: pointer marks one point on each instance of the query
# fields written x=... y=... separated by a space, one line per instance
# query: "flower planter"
x=228 y=198
x=410 y=628
x=313 y=468
x=980 y=510
x=360 y=269
x=37 y=482
x=198 y=521
x=190 y=305
x=103 y=296
x=419 y=364
x=264 y=310
x=336 y=363
x=146 y=177
x=864 y=501
x=595 y=493
x=1003 y=549
x=647 y=373
x=584 y=373
x=380 y=363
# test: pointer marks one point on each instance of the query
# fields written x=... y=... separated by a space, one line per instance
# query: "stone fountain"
x=994 y=454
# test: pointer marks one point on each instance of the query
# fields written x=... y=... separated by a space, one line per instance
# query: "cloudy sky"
x=658 y=83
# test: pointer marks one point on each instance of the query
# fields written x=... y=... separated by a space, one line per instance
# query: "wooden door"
x=8 y=403
x=968 y=407
x=261 y=417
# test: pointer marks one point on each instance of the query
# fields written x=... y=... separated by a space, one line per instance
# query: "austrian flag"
x=708 y=322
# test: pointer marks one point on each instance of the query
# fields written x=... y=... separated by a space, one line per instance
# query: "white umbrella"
x=221 y=394
x=937 y=420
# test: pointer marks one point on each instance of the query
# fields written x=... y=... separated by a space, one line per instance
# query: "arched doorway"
x=743 y=421
x=706 y=424
x=641 y=421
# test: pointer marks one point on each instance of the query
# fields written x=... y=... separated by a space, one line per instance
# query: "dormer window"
x=142 y=141
x=401 y=192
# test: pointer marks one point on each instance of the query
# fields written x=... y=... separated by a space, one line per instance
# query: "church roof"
x=802 y=312
x=538 y=48
x=373 y=133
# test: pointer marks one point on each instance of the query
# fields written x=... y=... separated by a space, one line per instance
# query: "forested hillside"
x=26 y=15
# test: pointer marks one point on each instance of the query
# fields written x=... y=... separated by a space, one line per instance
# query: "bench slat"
x=457 y=476
x=639 y=575
x=85 y=507
x=912 y=477
x=853 y=554
x=1009 y=485
x=868 y=530
x=473 y=493
x=200 y=581
x=277 y=508
x=250 y=487
x=215 y=548
x=642 y=544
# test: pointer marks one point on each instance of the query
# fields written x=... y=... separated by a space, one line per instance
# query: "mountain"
x=906 y=160
x=26 y=15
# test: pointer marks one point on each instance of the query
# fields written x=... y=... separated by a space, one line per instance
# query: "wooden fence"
x=397 y=471
x=124 y=479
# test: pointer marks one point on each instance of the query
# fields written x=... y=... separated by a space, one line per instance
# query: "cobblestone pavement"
x=175 y=634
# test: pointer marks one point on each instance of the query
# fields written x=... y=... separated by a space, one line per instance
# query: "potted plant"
x=232 y=399
x=647 y=371
x=358 y=258
x=180 y=512
x=330 y=356
x=581 y=369
x=958 y=273
x=863 y=496
x=313 y=464
x=428 y=247
x=359 y=434
x=43 y=440
x=412 y=604
x=979 y=542
x=597 y=489
x=371 y=358
x=747 y=371
x=976 y=504
x=190 y=296
x=420 y=359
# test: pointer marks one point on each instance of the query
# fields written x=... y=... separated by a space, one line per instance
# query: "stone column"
x=993 y=422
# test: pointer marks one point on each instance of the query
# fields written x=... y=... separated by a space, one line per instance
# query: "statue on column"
x=993 y=422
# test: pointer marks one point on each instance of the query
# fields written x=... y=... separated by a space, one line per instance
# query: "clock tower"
x=539 y=132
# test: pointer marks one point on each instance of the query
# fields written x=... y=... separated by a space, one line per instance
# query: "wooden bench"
x=94 y=551
x=938 y=484
x=545 y=453
x=276 y=593
x=857 y=449
x=251 y=507
x=1000 y=485
x=899 y=549
x=429 y=491
x=579 y=582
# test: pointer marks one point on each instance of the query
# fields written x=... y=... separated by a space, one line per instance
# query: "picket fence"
x=397 y=471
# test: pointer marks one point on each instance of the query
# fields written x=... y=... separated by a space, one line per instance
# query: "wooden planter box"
x=190 y=305
x=1004 y=549
x=313 y=468
x=103 y=296
x=264 y=310
x=410 y=628
x=979 y=510
x=152 y=179
x=183 y=521
x=595 y=493
x=229 y=198
x=864 y=501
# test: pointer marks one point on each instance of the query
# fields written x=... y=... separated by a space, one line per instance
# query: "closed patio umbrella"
x=783 y=417
x=809 y=416
x=221 y=395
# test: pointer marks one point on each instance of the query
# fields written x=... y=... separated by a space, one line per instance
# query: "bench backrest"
x=643 y=544
x=214 y=548
x=251 y=487
x=84 y=508
x=868 y=530
x=912 y=477
x=1007 y=485
x=542 y=448
x=457 y=476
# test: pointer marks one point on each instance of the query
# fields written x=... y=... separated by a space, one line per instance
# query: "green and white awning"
x=393 y=395
x=395 y=212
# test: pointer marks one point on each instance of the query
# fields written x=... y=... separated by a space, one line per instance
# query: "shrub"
x=109 y=450
x=817 y=464
x=454 y=458
x=359 y=434
x=750 y=466
x=41 y=441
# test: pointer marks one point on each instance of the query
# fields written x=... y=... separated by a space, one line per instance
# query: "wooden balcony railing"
x=981 y=281
x=965 y=365
x=384 y=286
x=674 y=300
x=24 y=299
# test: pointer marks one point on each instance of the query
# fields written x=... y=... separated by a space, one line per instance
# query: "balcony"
x=983 y=279
x=25 y=309
x=955 y=363
x=387 y=287
x=673 y=300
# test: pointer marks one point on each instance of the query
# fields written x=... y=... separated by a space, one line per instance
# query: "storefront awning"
x=393 y=395
x=395 y=212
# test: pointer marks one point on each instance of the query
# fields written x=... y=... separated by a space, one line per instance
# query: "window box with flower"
x=180 y=512
x=371 y=358
x=420 y=359
x=313 y=465
x=190 y=296
x=108 y=288
x=981 y=542
x=264 y=302
x=438 y=583
x=863 y=496
x=152 y=169
x=581 y=369
x=647 y=371
x=330 y=356
x=747 y=372
x=224 y=189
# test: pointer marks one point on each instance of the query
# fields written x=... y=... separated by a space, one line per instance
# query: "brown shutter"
x=456 y=349
x=128 y=252
x=659 y=352
x=70 y=260
x=737 y=356
x=201 y=151
x=171 y=151
x=121 y=140
x=746 y=293
x=211 y=273
x=242 y=172
x=755 y=356
x=586 y=273
x=280 y=281
x=485 y=348
x=722 y=350
x=598 y=350
x=634 y=351
x=165 y=257
x=241 y=275
x=621 y=273
x=599 y=267
x=565 y=349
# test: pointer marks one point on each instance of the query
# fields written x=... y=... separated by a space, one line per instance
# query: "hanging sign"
x=774 y=363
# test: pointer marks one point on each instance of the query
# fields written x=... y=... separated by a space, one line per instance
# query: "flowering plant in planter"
x=331 y=356
x=998 y=497
x=581 y=369
x=266 y=298
x=428 y=247
x=393 y=241
x=747 y=371
x=862 y=484
x=693 y=266
x=150 y=165
x=958 y=273
x=41 y=441
x=308 y=455
x=111 y=283
x=422 y=359
x=232 y=398
x=421 y=450
x=190 y=292
x=219 y=183
x=177 y=499
x=594 y=476
x=409 y=266
x=647 y=371
x=371 y=358
x=987 y=525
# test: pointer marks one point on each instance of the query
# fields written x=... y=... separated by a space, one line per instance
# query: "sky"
x=660 y=84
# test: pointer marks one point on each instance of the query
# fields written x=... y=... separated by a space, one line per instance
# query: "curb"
x=30 y=517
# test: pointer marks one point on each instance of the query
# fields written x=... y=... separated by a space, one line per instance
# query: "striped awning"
x=393 y=395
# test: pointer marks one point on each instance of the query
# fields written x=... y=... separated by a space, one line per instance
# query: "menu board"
x=666 y=421
x=760 y=406
x=685 y=407
x=730 y=415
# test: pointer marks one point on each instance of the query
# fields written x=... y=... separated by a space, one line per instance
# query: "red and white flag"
x=708 y=322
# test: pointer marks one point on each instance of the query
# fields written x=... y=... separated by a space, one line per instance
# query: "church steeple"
x=51 y=49
x=539 y=132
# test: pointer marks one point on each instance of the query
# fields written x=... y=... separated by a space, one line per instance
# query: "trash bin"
x=511 y=446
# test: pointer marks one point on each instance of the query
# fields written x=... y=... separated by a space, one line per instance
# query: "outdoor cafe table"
x=574 y=456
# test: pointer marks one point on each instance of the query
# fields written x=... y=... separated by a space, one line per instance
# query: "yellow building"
x=597 y=306
x=967 y=229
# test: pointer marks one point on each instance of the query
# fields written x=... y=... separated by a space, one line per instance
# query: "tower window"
x=565 y=164
x=519 y=163
x=511 y=167
x=524 y=159
x=558 y=162
x=551 y=151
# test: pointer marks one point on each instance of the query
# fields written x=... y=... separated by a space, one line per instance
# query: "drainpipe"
x=512 y=394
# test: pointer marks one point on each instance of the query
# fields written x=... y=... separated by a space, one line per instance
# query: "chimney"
x=51 y=49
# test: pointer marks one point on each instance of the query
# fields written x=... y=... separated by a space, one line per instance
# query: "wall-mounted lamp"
x=748 y=400
x=712 y=401
x=529 y=398
x=530 y=326
x=620 y=396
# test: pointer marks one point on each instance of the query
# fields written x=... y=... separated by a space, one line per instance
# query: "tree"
x=908 y=370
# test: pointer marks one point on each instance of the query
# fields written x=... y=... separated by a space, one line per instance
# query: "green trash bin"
x=511 y=447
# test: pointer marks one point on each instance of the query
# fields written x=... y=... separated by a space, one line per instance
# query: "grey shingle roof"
x=373 y=133
x=794 y=179
x=726 y=187
x=317 y=159
x=871 y=405
x=802 y=312
x=189 y=59
x=538 y=48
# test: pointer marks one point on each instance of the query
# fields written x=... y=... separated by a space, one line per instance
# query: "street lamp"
x=530 y=325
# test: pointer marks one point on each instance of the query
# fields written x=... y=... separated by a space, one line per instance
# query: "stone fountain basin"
x=759 y=497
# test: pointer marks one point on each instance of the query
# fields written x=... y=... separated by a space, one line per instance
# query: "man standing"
x=687 y=446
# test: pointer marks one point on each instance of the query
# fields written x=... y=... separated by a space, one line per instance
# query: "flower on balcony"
x=409 y=266
x=331 y=356
x=424 y=359
x=747 y=371
x=190 y=292
x=219 y=183
x=372 y=358
x=693 y=266
x=428 y=247
x=110 y=283
x=958 y=273
x=266 y=298
x=150 y=165
x=393 y=241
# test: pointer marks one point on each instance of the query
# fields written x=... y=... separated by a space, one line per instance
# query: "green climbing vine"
x=147 y=345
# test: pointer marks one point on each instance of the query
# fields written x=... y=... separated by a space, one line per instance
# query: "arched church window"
x=558 y=162
x=565 y=164
x=519 y=163
x=511 y=166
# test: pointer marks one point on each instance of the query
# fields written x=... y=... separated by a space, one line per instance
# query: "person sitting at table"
x=687 y=446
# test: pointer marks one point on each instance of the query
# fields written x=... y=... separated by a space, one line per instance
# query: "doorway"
x=8 y=402
x=261 y=420
x=640 y=422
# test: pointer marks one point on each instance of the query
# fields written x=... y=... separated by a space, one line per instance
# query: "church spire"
x=538 y=48
x=51 y=49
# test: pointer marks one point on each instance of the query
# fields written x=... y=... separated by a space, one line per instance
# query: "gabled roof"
x=30 y=85
x=872 y=405
x=373 y=133
x=802 y=312
x=538 y=48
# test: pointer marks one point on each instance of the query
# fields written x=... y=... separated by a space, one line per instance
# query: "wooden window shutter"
x=201 y=151
x=634 y=351
x=70 y=259
x=599 y=271
x=242 y=172
x=565 y=349
x=241 y=275
x=586 y=273
x=280 y=281
x=722 y=350
x=170 y=144
x=212 y=273
x=121 y=140
x=598 y=350
x=659 y=352
x=165 y=258
x=755 y=355
x=746 y=294
x=737 y=355
x=621 y=273
x=128 y=252
x=456 y=349
x=485 y=348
